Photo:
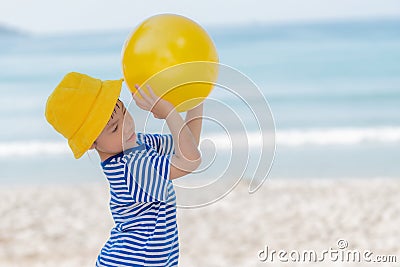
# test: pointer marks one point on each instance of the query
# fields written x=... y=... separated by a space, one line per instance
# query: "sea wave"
x=32 y=148
x=311 y=136
x=338 y=136
x=288 y=138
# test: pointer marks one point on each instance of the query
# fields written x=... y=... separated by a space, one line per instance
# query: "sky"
x=50 y=16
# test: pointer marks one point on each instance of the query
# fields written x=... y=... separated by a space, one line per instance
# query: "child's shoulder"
x=122 y=157
x=147 y=144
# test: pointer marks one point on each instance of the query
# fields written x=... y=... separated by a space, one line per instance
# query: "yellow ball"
x=155 y=53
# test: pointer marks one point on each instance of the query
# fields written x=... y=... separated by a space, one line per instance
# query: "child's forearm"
x=184 y=143
x=194 y=121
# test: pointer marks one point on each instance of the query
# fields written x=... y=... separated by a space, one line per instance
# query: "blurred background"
x=330 y=73
x=329 y=70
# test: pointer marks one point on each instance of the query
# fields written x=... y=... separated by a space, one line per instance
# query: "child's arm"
x=163 y=143
x=194 y=121
x=187 y=157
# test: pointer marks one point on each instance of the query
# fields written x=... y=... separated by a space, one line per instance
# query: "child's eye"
x=115 y=129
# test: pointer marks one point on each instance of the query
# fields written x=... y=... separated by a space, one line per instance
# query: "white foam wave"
x=289 y=138
x=338 y=136
x=32 y=148
x=317 y=137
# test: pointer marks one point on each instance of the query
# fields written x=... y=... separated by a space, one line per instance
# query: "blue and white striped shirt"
x=143 y=205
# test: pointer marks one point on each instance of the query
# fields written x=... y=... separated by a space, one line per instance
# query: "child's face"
x=119 y=133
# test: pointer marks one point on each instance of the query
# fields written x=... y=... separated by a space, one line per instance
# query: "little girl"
x=138 y=166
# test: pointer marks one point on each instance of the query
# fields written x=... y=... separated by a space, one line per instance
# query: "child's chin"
x=130 y=144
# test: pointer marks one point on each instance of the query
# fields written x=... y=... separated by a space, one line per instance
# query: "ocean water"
x=333 y=89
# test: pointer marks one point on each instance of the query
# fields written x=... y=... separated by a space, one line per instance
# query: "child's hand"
x=156 y=105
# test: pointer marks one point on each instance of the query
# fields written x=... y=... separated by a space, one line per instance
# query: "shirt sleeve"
x=148 y=177
x=162 y=143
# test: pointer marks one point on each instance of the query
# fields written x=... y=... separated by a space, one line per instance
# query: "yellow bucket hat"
x=80 y=107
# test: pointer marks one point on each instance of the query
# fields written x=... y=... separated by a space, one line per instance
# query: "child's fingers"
x=153 y=95
x=142 y=104
x=143 y=94
x=139 y=101
x=136 y=97
x=135 y=94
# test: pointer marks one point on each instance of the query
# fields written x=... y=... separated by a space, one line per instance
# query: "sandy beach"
x=66 y=225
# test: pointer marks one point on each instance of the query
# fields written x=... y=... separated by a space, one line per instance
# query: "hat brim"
x=97 y=119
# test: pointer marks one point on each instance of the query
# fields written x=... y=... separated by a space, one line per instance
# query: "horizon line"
x=12 y=30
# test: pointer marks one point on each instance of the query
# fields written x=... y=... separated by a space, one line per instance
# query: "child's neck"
x=103 y=155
